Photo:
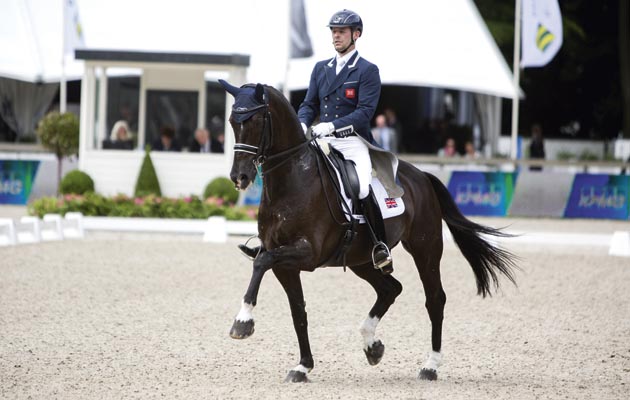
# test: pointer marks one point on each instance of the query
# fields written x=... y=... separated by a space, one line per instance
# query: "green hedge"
x=221 y=187
x=92 y=204
x=76 y=182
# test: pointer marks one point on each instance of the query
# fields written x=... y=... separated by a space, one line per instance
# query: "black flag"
x=301 y=46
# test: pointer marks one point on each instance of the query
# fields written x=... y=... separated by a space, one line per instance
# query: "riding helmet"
x=345 y=18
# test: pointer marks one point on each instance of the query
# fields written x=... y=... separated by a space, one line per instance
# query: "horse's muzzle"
x=241 y=181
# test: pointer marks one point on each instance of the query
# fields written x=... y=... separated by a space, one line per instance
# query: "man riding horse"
x=344 y=92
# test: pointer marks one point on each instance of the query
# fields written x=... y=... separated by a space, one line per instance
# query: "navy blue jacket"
x=348 y=100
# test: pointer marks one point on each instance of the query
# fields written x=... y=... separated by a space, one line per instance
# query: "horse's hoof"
x=242 y=329
x=374 y=353
x=427 y=374
x=296 y=377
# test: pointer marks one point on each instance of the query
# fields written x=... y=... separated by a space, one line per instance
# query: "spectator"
x=120 y=137
x=470 y=152
x=394 y=124
x=383 y=134
x=537 y=146
x=217 y=143
x=449 y=149
x=201 y=141
x=167 y=140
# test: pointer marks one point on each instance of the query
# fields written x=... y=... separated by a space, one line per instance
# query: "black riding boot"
x=381 y=255
x=249 y=252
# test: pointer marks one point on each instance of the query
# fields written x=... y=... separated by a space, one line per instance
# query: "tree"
x=59 y=133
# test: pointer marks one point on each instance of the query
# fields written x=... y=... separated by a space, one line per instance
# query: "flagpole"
x=287 y=66
x=516 y=72
x=62 y=83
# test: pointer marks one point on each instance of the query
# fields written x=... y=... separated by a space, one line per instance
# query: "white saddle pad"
x=390 y=206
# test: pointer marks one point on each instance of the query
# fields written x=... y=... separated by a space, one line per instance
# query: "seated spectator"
x=216 y=144
x=167 y=140
x=471 y=153
x=201 y=141
x=449 y=149
x=120 y=137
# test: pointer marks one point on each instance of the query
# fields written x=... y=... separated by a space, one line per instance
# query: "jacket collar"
x=334 y=80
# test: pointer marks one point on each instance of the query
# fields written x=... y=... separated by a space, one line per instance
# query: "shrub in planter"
x=147 y=179
x=221 y=188
x=76 y=182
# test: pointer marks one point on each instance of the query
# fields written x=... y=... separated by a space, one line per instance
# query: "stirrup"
x=248 y=251
x=384 y=265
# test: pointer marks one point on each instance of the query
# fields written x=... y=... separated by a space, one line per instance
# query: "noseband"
x=261 y=151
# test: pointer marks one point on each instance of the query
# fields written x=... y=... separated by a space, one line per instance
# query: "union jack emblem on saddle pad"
x=390 y=202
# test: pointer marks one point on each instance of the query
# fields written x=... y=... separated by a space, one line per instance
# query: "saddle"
x=348 y=172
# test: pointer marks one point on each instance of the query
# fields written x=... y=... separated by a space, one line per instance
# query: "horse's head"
x=265 y=126
x=250 y=120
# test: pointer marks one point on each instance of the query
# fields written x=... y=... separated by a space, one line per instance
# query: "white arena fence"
x=74 y=225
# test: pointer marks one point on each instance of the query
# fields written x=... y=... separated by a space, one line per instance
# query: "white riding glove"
x=304 y=127
x=323 y=129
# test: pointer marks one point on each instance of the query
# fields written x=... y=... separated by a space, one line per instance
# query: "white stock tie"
x=340 y=64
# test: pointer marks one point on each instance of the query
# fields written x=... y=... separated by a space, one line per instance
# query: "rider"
x=343 y=93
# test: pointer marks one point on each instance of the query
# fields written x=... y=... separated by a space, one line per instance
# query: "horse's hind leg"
x=290 y=281
x=427 y=259
x=387 y=289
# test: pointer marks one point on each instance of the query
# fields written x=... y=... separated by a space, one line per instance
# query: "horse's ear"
x=260 y=93
x=233 y=90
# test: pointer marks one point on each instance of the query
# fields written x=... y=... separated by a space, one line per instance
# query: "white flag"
x=73 y=34
x=542 y=32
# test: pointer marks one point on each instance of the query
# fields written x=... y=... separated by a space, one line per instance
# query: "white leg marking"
x=368 y=329
x=300 y=368
x=434 y=361
x=246 y=312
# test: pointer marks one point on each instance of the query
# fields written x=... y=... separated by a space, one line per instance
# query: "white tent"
x=31 y=39
x=414 y=42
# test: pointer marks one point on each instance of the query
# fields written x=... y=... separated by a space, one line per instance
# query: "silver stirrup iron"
x=259 y=247
x=386 y=261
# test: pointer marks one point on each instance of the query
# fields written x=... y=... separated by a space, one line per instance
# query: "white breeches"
x=353 y=148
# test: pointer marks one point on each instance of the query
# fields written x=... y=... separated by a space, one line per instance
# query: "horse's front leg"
x=290 y=280
x=283 y=256
x=243 y=326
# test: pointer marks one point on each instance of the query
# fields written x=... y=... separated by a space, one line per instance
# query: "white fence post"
x=73 y=228
x=32 y=235
x=56 y=233
x=8 y=238
x=216 y=230
x=620 y=244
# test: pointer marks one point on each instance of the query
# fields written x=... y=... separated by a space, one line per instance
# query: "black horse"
x=300 y=226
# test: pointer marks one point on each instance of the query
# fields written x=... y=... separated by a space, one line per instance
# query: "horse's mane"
x=277 y=96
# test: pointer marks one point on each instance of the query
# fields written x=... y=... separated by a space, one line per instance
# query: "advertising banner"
x=482 y=193
x=16 y=180
x=599 y=196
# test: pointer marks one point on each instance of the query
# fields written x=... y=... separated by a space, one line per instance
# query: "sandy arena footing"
x=147 y=316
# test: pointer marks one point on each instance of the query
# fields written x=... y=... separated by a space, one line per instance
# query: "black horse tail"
x=485 y=259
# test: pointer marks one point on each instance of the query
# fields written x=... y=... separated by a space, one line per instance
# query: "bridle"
x=261 y=151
